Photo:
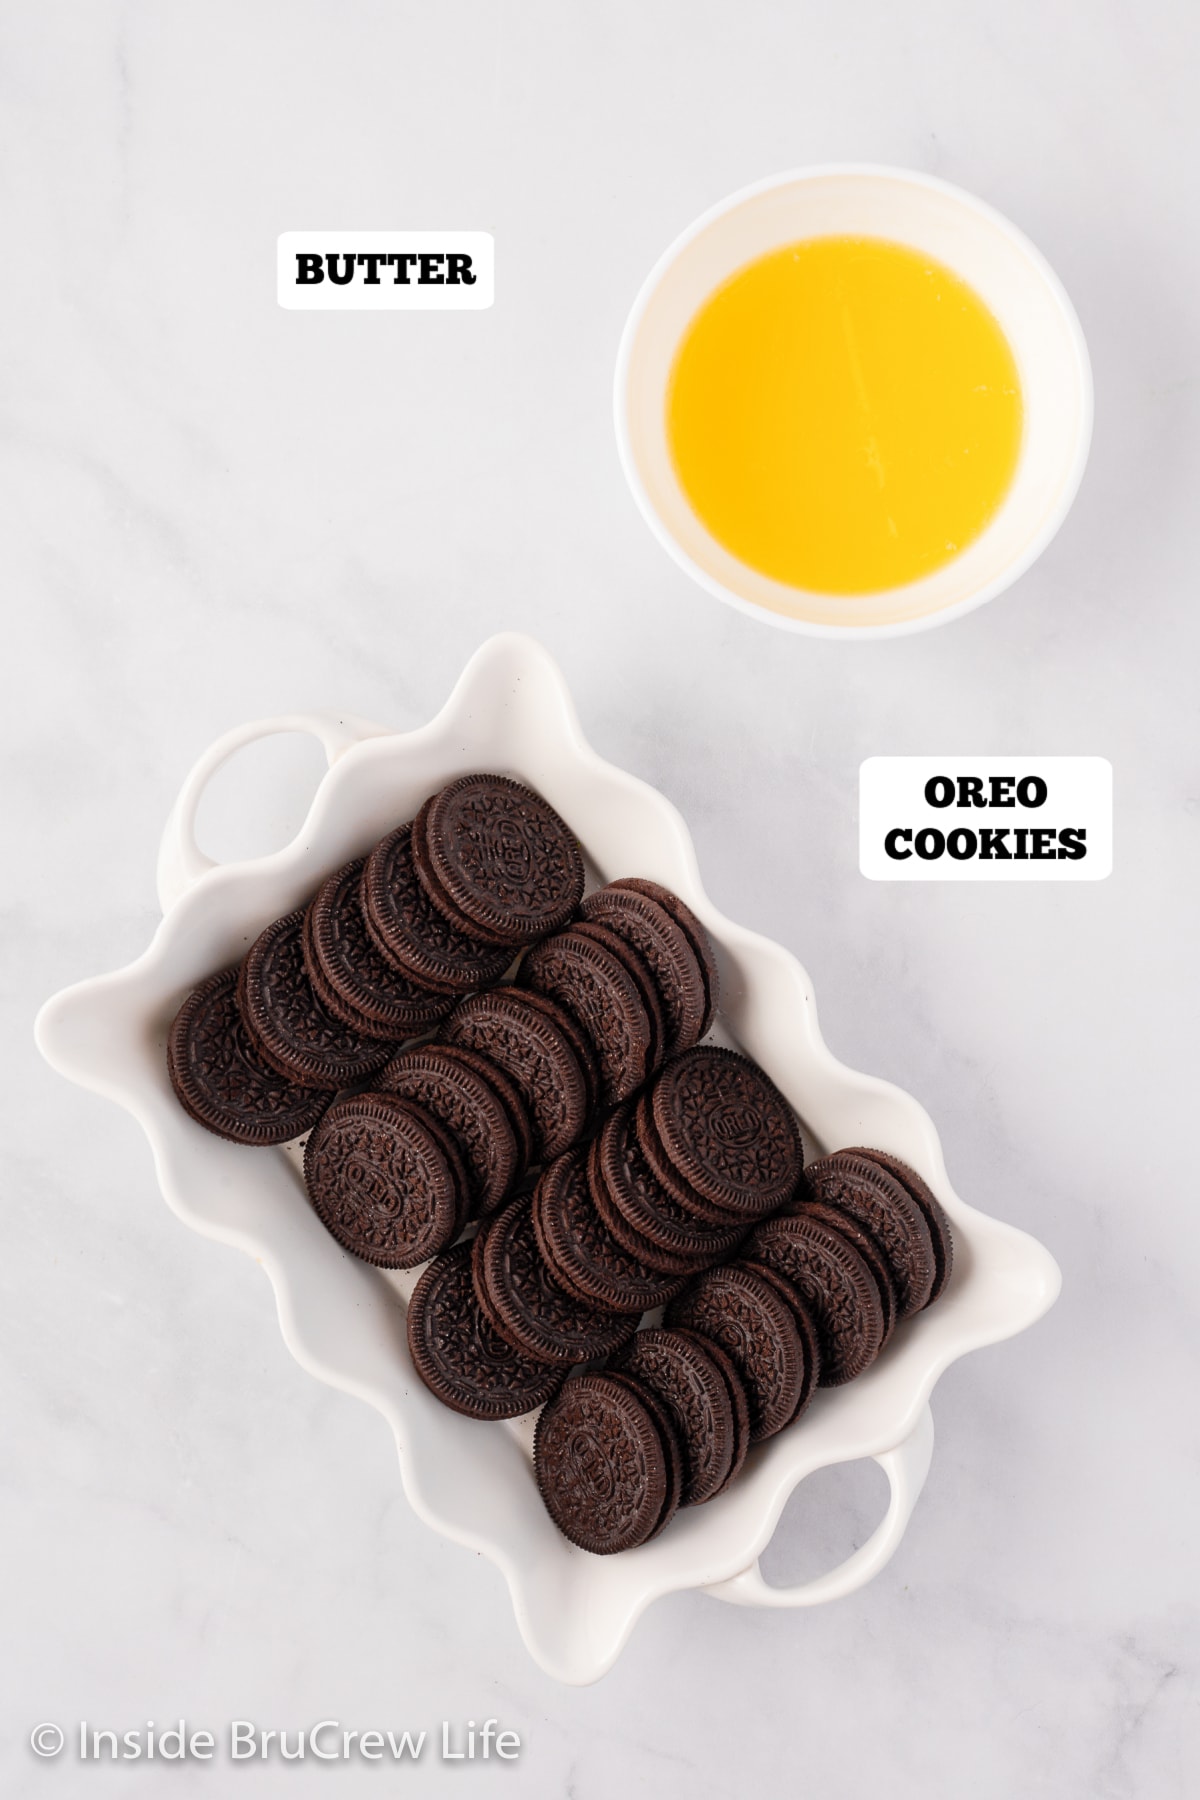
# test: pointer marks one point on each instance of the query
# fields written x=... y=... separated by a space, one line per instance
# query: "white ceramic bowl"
x=1002 y=266
x=344 y=1321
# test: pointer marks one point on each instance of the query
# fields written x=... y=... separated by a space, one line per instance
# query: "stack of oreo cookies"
x=518 y=1073
x=618 y=1451
x=816 y=1290
x=636 y=971
x=485 y=869
x=674 y=1182
x=562 y=1275
x=325 y=997
x=470 y=1042
x=811 y=1296
x=690 y=1196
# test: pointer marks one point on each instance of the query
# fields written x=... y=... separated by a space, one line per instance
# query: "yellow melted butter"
x=844 y=415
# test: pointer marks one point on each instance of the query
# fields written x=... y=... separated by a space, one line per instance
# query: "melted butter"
x=844 y=415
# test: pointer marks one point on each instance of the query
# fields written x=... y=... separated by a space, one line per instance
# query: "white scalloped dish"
x=344 y=1321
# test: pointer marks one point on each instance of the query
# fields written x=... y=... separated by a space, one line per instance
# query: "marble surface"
x=219 y=510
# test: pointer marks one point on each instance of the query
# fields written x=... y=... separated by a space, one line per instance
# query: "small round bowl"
x=1009 y=275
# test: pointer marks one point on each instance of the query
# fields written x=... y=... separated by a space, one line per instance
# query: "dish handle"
x=906 y=1467
x=181 y=862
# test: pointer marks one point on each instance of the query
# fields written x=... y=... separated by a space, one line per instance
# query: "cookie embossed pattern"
x=343 y=1318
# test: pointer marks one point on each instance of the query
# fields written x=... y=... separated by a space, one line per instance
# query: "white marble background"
x=217 y=510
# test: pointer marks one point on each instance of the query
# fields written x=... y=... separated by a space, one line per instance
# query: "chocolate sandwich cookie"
x=466 y=1103
x=727 y=1130
x=930 y=1205
x=682 y=1193
x=386 y=1180
x=351 y=977
x=412 y=933
x=672 y=1448
x=459 y=1356
x=582 y=1254
x=535 y=1052
x=665 y=949
x=526 y=1304
x=601 y=1465
x=631 y=1200
x=497 y=857
x=746 y=1315
x=643 y=980
x=668 y=1262
x=677 y=1368
x=877 y=1203
x=835 y=1284
x=805 y=1326
x=737 y=1396
x=695 y=933
x=593 y=983
x=867 y=1248
x=581 y=1044
x=509 y=1096
x=432 y=887
x=222 y=1080
x=295 y=1033
x=477 y=1246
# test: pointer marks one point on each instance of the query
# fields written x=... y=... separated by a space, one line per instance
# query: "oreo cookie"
x=525 y=1303
x=738 y=1309
x=498 y=860
x=682 y=1373
x=727 y=1131
x=643 y=980
x=222 y=1080
x=877 y=1203
x=295 y=1033
x=508 y=1094
x=737 y=1395
x=601 y=1464
x=668 y=1176
x=664 y=948
x=695 y=933
x=805 y=1327
x=410 y=931
x=667 y=1262
x=460 y=1357
x=466 y=1103
x=867 y=1248
x=672 y=1448
x=385 y=1180
x=833 y=1282
x=351 y=977
x=579 y=1041
x=582 y=1254
x=534 y=1050
x=592 y=981
x=644 y=1215
x=935 y=1215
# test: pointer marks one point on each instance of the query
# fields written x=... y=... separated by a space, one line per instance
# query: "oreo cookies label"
x=985 y=818
x=385 y=271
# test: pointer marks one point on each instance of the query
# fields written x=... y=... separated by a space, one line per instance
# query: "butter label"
x=386 y=271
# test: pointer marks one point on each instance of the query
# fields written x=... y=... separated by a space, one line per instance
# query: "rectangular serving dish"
x=344 y=1320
